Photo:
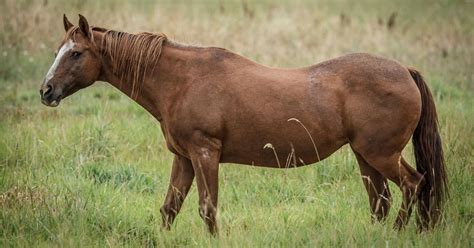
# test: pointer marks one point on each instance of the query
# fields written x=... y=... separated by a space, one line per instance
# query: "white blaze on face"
x=64 y=49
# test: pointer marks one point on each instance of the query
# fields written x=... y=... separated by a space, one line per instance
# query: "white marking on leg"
x=64 y=49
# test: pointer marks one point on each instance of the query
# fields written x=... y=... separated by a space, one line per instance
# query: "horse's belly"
x=287 y=149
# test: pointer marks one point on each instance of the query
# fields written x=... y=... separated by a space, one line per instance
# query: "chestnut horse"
x=215 y=106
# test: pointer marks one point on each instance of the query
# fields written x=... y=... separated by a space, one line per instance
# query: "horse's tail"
x=429 y=159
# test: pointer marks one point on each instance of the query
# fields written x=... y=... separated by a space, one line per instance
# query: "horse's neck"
x=160 y=86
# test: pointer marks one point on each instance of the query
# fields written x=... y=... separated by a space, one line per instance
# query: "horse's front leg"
x=205 y=156
x=182 y=175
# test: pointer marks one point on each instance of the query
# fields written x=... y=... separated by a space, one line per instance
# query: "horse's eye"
x=75 y=54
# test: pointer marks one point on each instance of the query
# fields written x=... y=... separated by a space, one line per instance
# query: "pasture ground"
x=94 y=171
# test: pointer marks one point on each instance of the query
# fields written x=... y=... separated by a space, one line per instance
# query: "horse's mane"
x=132 y=55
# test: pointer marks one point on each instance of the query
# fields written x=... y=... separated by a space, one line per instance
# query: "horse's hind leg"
x=377 y=189
x=182 y=175
x=410 y=195
x=395 y=168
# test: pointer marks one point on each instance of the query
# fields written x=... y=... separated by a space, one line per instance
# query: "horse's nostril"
x=48 y=91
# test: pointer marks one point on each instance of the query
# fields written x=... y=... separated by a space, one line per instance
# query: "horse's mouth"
x=53 y=103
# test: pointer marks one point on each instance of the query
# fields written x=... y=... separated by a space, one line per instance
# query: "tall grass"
x=95 y=171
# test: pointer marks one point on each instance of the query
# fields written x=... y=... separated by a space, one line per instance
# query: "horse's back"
x=364 y=66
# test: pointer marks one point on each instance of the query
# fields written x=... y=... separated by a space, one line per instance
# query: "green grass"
x=94 y=172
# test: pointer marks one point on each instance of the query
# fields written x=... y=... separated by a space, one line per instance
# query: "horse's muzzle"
x=48 y=97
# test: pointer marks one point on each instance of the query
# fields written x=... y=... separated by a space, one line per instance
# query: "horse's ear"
x=67 y=23
x=84 y=26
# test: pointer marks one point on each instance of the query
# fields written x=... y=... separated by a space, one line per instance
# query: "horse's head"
x=77 y=64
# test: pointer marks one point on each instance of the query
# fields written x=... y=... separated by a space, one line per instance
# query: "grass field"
x=94 y=171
